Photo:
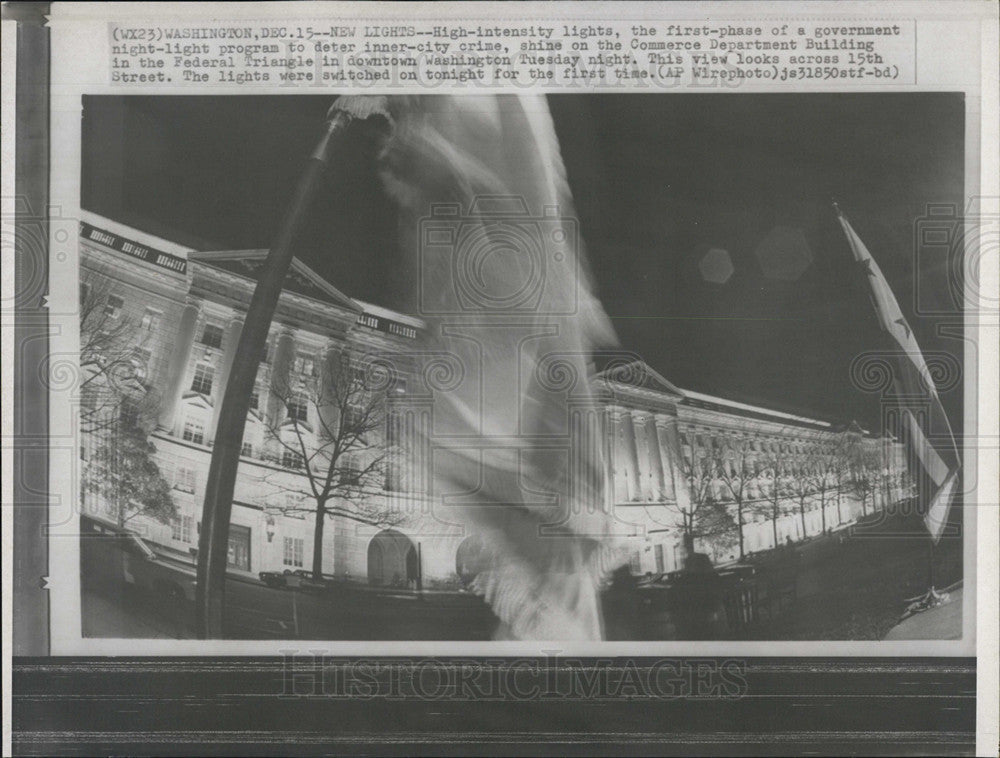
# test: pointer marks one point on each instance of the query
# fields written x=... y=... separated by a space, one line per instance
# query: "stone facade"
x=673 y=453
x=187 y=309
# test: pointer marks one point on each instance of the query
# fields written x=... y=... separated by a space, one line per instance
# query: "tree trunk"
x=774 y=524
x=317 y=567
x=802 y=515
x=739 y=524
x=822 y=508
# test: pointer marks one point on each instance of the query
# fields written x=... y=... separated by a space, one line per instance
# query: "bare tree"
x=328 y=425
x=116 y=405
x=113 y=354
x=700 y=513
x=774 y=465
x=121 y=471
x=884 y=476
x=865 y=476
x=841 y=464
x=800 y=485
x=735 y=469
x=821 y=475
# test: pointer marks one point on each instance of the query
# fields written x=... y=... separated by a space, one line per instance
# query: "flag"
x=925 y=425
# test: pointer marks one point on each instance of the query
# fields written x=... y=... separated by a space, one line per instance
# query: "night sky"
x=668 y=189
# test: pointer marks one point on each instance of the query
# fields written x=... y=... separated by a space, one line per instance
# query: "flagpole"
x=890 y=316
x=930 y=564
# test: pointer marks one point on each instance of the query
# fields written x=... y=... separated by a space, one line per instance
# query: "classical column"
x=658 y=476
x=586 y=487
x=608 y=436
x=414 y=458
x=632 y=458
x=642 y=457
x=423 y=475
x=279 y=377
x=393 y=463
x=617 y=455
x=230 y=340
x=672 y=457
x=180 y=354
x=329 y=372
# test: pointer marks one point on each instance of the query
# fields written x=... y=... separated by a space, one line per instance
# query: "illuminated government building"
x=187 y=308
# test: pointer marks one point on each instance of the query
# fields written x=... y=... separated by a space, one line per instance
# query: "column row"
x=643 y=452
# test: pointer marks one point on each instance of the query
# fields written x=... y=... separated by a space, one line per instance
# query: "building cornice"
x=141 y=276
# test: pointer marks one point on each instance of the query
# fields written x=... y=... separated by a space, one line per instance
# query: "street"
x=254 y=611
x=844 y=590
x=856 y=590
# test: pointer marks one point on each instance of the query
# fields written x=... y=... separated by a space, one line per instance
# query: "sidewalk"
x=941 y=623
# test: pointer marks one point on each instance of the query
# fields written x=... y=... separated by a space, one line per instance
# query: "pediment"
x=197 y=400
x=301 y=279
x=636 y=375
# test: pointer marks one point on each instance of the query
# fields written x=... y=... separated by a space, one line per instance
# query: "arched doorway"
x=392 y=560
x=470 y=558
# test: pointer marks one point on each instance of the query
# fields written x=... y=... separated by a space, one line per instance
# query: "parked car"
x=123 y=555
x=299 y=579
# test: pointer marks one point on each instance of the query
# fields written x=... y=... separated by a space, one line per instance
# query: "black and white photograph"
x=576 y=367
x=500 y=378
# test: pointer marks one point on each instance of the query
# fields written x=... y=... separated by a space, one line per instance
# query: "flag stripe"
x=887 y=308
x=929 y=459
x=937 y=513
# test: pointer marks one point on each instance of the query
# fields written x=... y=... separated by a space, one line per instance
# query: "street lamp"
x=213 y=545
x=269 y=526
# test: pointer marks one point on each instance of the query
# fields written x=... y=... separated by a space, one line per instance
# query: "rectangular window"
x=113 y=306
x=298 y=408
x=194 y=430
x=291 y=459
x=661 y=565
x=150 y=320
x=255 y=400
x=212 y=335
x=359 y=379
x=635 y=563
x=350 y=471
x=184 y=479
x=354 y=420
x=140 y=362
x=294 y=548
x=204 y=375
x=303 y=364
x=239 y=547
x=181 y=528
x=247 y=450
